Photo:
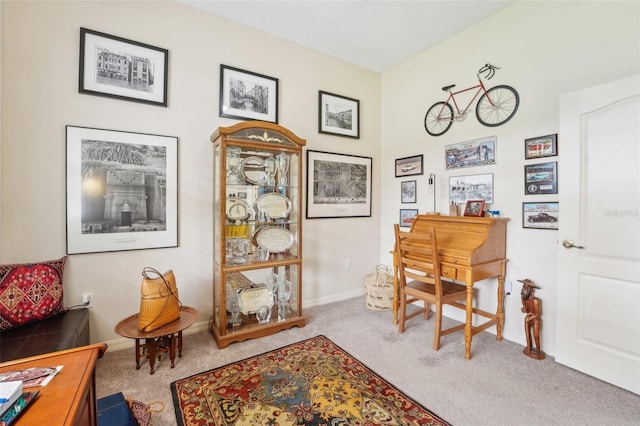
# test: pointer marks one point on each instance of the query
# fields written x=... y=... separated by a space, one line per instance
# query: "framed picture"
x=471 y=187
x=408 y=191
x=474 y=208
x=541 y=178
x=479 y=152
x=338 y=185
x=407 y=216
x=541 y=215
x=542 y=146
x=338 y=115
x=246 y=95
x=125 y=69
x=409 y=166
x=122 y=190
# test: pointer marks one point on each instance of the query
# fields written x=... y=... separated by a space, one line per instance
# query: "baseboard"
x=125 y=343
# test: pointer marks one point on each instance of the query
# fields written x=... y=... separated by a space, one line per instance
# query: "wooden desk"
x=70 y=398
x=471 y=249
x=161 y=340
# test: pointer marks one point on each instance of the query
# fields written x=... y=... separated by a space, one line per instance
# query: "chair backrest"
x=417 y=257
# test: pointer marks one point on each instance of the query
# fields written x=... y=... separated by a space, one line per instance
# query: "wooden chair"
x=419 y=279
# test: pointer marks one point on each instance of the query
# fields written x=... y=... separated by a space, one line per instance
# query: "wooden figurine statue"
x=532 y=321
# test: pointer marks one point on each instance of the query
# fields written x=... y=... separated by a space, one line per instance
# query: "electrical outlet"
x=507 y=287
x=347 y=264
x=87 y=300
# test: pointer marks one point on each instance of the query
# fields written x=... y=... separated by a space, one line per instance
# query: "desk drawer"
x=449 y=272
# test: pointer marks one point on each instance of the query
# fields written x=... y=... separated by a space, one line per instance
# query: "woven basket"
x=379 y=288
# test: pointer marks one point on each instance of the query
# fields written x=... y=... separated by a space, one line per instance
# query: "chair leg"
x=403 y=311
x=438 y=329
x=427 y=310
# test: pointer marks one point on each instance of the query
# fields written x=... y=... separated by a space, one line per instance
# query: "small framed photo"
x=541 y=178
x=408 y=191
x=338 y=115
x=124 y=69
x=542 y=146
x=246 y=95
x=474 y=208
x=478 y=152
x=122 y=190
x=541 y=215
x=409 y=166
x=407 y=216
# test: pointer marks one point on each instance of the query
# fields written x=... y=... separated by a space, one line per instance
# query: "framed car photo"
x=541 y=215
x=541 y=178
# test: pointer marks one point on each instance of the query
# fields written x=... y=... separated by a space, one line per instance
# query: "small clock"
x=237 y=209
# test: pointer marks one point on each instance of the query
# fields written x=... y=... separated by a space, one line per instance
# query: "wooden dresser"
x=70 y=398
x=471 y=249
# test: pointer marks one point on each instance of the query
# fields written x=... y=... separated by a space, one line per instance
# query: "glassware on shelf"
x=284 y=293
x=270 y=168
x=233 y=164
x=283 y=167
x=234 y=306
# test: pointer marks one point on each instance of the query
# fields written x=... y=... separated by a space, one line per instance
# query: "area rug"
x=312 y=382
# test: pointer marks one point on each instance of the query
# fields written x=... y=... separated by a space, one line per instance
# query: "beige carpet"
x=498 y=386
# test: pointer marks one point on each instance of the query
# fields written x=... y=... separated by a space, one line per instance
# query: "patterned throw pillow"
x=30 y=292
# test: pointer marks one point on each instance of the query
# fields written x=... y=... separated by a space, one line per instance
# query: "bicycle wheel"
x=497 y=106
x=438 y=118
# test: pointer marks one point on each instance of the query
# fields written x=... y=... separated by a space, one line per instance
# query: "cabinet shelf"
x=251 y=161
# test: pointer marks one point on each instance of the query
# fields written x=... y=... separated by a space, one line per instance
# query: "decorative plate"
x=273 y=205
x=237 y=209
x=252 y=170
x=275 y=239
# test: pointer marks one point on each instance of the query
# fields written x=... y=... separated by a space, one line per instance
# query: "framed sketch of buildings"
x=248 y=96
x=122 y=190
x=471 y=187
x=338 y=185
x=119 y=68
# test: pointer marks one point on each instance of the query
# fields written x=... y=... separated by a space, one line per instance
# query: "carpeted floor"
x=312 y=382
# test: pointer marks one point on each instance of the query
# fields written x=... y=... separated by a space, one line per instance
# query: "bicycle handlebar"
x=488 y=69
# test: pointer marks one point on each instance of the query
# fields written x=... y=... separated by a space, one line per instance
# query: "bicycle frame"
x=452 y=97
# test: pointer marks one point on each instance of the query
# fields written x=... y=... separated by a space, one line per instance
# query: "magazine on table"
x=31 y=377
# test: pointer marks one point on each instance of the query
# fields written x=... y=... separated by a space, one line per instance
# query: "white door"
x=598 y=318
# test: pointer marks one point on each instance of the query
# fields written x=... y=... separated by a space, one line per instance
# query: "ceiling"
x=374 y=34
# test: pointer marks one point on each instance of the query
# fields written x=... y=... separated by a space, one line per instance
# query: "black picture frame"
x=338 y=185
x=240 y=88
x=338 y=115
x=541 y=146
x=116 y=67
x=113 y=203
x=407 y=216
x=541 y=178
x=541 y=215
x=408 y=191
x=409 y=166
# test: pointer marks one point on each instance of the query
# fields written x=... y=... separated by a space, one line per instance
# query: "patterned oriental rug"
x=313 y=382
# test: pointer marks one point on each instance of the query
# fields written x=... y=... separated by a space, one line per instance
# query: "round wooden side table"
x=161 y=340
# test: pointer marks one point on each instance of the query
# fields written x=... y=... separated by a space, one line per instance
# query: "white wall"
x=545 y=49
x=40 y=96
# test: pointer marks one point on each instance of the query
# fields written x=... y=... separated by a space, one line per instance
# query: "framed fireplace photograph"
x=122 y=190
x=115 y=67
x=338 y=185
x=247 y=95
x=338 y=115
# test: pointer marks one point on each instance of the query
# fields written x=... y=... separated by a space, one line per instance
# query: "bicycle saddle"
x=445 y=88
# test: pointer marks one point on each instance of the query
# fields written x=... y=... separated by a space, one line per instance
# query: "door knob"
x=568 y=244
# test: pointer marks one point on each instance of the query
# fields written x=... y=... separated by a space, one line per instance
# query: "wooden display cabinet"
x=257 y=231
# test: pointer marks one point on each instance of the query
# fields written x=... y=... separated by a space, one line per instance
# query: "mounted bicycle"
x=495 y=107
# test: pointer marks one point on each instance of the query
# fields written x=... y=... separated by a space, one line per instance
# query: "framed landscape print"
x=338 y=115
x=541 y=178
x=246 y=95
x=122 y=190
x=338 y=185
x=478 y=152
x=115 y=67
x=470 y=187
